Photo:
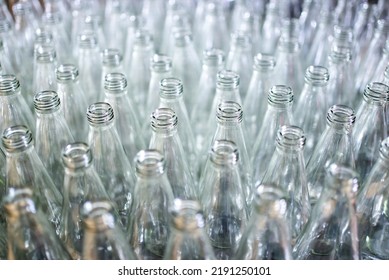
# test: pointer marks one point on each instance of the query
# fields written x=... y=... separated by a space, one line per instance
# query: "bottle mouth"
x=136 y=21
x=66 y=72
x=187 y=214
x=264 y=62
x=182 y=37
x=43 y=36
x=317 y=75
x=341 y=115
x=17 y=200
x=98 y=215
x=343 y=177
x=229 y=112
x=111 y=57
x=382 y=26
x=45 y=53
x=339 y=54
x=46 y=102
x=241 y=40
x=288 y=45
x=77 y=155
x=213 y=57
x=17 y=138
x=227 y=79
x=164 y=120
x=170 y=88
x=271 y=199
x=143 y=38
x=87 y=40
x=290 y=137
x=376 y=92
x=9 y=84
x=149 y=163
x=290 y=28
x=115 y=82
x=161 y=63
x=224 y=152
x=100 y=113
x=280 y=96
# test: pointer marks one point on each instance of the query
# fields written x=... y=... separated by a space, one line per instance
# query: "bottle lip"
x=51 y=18
x=143 y=38
x=149 y=162
x=9 y=84
x=111 y=57
x=317 y=75
x=382 y=26
x=229 y=112
x=187 y=215
x=170 y=88
x=43 y=36
x=267 y=194
x=77 y=155
x=98 y=215
x=213 y=57
x=376 y=92
x=160 y=63
x=46 y=102
x=164 y=120
x=87 y=40
x=115 y=83
x=290 y=28
x=224 y=152
x=227 y=79
x=66 y=72
x=45 y=53
x=100 y=114
x=241 y=40
x=342 y=116
x=264 y=62
x=339 y=54
x=288 y=45
x=280 y=96
x=342 y=177
x=17 y=138
x=182 y=37
x=290 y=137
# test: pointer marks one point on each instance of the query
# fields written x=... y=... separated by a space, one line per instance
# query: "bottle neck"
x=46 y=102
x=341 y=118
x=98 y=216
x=187 y=215
x=376 y=93
x=170 y=88
x=290 y=139
x=115 y=83
x=66 y=73
x=9 y=85
x=229 y=113
x=280 y=97
x=149 y=164
x=227 y=80
x=77 y=156
x=164 y=121
x=17 y=139
x=100 y=115
x=224 y=153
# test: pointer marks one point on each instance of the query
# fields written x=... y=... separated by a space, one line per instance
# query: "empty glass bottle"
x=81 y=184
x=73 y=100
x=267 y=235
x=149 y=220
x=188 y=239
x=278 y=113
x=371 y=126
x=52 y=134
x=104 y=238
x=335 y=145
x=223 y=199
x=332 y=229
x=26 y=170
x=30 y=236
x=110 y=160
x=165 y=138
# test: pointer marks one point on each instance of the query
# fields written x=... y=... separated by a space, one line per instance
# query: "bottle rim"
x=164 y=120
x=224 y=153
x=342 y=177
x=17 y=138
x=290 y=137
x=160 y=63
x=342 y=116
x=213 y=57
x=264 y=62
x=17 y=199
x=45 y=53
x=77 y=155
x=170 y=88
x=115 y=83
x=9 y=84
x=376 y=92
x=98 y=215
x=229 y=112
x=187 y=214
x=280 y=96
x=317 y=75
x=46 y=102
x=270 y=194
x=149 y=162
x=87 y=40
x=66 y=72
x=100 y=114
x=227 y=79
x=111 y=57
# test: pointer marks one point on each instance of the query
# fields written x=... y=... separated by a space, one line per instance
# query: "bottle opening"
x=339 y=54
x=342 y=177
x=111 y=57
x=264 y=62
x=115 y=82
x=5 y=26
x=149 y=163
x=98 y=215
x=213 y=57
x=46 y=102
x=143 y=38
x=187 y=214
x=17 y=138
x=280 y=96
x=341 y=115
x=43 y=36
x=19 y=200
x=163 y=120
x=376 y=92
x=161 y=63
x=100 y=113
x=271 y=199
x=229 y=111
x=227 y=79
x=9 y=84
x=224 y=152
x=45 y=53
x=170 y=88
x=66 y=72
x=290 y=137
x=317 y=75
x=87 y=40
x=77 y=155
x=241 y=40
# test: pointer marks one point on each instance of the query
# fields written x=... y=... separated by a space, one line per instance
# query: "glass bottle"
x=44 y=69
x=332 y=230
x=14 y=108
x=335 y=145
x=267 y=235
x=30 y=236
x=110 y=160
x=254 y=104
x=149 y=222
x=271 y=28
x=188 y=239
x=112 y=62
x=371 y=126
x=154 y=13
x=52 y=134
x=165 y=138
x=24 y=169
x=223 y=200
x=81 y=184
x=312 y=105
x=127 y=121
x=371 y=208
x=278 y=113
x=104 y=238
x=73 y=100
x=286 y=169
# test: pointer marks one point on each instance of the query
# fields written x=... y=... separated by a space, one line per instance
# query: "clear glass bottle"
x=81 y=184
x=165 y=138
x=286 y=169
x=335 y=145
x=312 y=105
x=104 y=238
x=110 y=160
x=73 y=100
x=24 y=169
x=44 y=69
x=332 y=230
x=223 y=200
x=371 y=126
x=30 y=236
x=253 y=105
x=278 y=113
x=52 y=134
x=267 y=235
x=127 y=121
x=148 y=229
x=188 y=239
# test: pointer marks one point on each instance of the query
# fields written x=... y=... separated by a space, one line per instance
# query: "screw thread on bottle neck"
x=229 y=112
x=111 y=57
x=160 y=63
x=17 y=138
x=224 y=153
x=77 y=155
x=290 y=138
x=115 y=82
x=9 y=84
x=264 y=62
x=213 y=58
x=187 y=215
x=377 y=93
x=170 y=88
x=317 y=76
x=341 y=116
x=164 y=120
x=100 y=114
x=280 y=96
x=45 y=53
x=149 y=163
x=98 y=215
x=227 y=79
x=46 y=102
x=66 y=72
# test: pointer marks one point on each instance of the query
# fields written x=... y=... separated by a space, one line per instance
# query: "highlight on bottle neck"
x=376 y=93
x=98 y=215
x=341 y=117
x=17 y=138
x=66 y=72
x=269 y=199
x=87 y=40
x=290 y=28
x=290 y=137
x=100 y=114
x=111 y=57
x=5 y=26
x=149 y=163
x=264 y=62
x=229 y=112
x=161 y=63
x=77 y=155
x=45 y=53
x=213 y=58
x=9 y=84
x=342 y=178
x=187 y=215
x=280 y=96
x=227 y=80
x=164 y=120
x=43 y=36
x=115 y=83
x=224 y=153
x=382 y=26
x=170 y=88
x=241 y=40
x=317 y=76
x=46 y=102
x=343 y=36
